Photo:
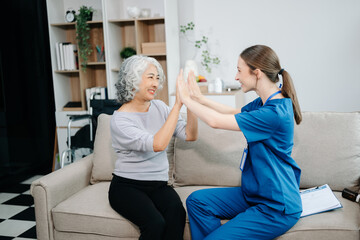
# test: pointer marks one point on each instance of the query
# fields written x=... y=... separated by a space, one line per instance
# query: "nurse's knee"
x=293 y=219
x=194 y=198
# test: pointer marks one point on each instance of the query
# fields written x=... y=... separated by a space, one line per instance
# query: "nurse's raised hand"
x=194 y=89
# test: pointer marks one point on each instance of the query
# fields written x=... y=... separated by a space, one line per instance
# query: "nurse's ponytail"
x=288 y=91
x=264 y=58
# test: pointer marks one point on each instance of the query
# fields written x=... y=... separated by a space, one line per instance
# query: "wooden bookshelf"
x=112 y=28
x=78 y=79
x=135 y=32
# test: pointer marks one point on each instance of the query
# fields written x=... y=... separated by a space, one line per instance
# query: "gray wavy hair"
x=130 y=76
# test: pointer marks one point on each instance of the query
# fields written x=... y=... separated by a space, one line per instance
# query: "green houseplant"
x=207 y=60
x=83 y=34
x=127 y=52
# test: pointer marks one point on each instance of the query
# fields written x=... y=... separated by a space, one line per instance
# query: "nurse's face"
x=149 y=84
x=245 y=76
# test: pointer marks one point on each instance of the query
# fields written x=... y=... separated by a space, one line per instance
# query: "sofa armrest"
x=50 y=190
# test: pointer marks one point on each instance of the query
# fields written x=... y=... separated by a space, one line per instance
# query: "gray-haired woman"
x=141 y=131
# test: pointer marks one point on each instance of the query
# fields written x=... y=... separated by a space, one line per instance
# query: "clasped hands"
x=187 y=90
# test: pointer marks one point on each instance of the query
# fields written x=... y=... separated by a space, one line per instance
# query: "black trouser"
x=152 y=205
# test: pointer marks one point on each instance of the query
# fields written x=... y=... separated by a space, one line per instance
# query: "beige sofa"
x=72 y=203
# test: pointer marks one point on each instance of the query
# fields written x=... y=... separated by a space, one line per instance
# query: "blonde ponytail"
x=288 y=91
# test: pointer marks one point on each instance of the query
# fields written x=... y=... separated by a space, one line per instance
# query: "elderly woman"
x=141 y=131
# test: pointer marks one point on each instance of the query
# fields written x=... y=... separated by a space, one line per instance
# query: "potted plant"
x=207 y=60
x=127 y=52
x=83 y=33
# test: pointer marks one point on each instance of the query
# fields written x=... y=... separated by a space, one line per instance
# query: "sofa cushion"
x=213 y=159
x=105 y=156
x=343 y=223
x=89 y=211
x=327 y=147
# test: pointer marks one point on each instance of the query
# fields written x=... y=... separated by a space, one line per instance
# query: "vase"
x=133 y=12
x=89 y=16
x=190 y=65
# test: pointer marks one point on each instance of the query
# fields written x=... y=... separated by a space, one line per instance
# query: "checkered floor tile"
x=17 y=213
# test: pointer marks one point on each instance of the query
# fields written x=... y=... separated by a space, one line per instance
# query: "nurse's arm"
x=199 y=97
x=211 y=117
x=219 y=107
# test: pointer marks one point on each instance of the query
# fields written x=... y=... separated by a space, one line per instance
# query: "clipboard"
x=317 y=200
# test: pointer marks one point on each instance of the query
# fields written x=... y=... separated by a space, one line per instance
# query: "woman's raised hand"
x=182 y=92
x=194 y=89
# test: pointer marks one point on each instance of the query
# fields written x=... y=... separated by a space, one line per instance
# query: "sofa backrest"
x=327 y=149
x=213 y=159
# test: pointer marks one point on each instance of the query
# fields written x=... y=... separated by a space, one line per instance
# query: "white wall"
x=318 y=43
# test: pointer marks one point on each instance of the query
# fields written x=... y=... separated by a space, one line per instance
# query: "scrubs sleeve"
x=259 y=124
x=252 y=105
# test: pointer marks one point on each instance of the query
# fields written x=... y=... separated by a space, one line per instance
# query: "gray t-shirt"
x=132 y=138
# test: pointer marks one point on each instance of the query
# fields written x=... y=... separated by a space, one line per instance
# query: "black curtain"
x=27 y=109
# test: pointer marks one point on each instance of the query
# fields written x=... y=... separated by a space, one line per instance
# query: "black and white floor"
x=17 y=213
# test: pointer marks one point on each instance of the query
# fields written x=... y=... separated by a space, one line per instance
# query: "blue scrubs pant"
x=208 y=206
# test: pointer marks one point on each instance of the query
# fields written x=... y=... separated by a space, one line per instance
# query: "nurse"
x=268 y=203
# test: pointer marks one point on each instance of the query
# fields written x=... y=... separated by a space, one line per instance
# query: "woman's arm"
x=196 y=95
x=192 y=122
x=163 y=136
x=211 y=117
x=191 y=126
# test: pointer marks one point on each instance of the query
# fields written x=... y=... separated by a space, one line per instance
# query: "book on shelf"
x=72 y=106
x=95 y=93
x=317 y=200
x=66 y=56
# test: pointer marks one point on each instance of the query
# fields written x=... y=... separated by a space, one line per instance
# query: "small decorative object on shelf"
x=218 y=85
x=100 y=53
x=83 y=34
x=70 y=15
x=145 y=13
x=127 y=52
x=208 y=60
x=190 y=65
x=133 y=12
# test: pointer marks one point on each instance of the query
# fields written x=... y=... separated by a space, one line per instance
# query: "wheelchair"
x=82 y=143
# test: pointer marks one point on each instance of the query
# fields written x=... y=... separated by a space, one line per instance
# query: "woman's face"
x=149 y=83
x=245 y=76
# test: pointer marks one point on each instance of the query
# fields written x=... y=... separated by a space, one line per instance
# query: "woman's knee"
x=155 y=227
x=158 y=223
x=177 y=209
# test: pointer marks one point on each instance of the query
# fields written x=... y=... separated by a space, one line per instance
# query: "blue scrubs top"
x=270 y=175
